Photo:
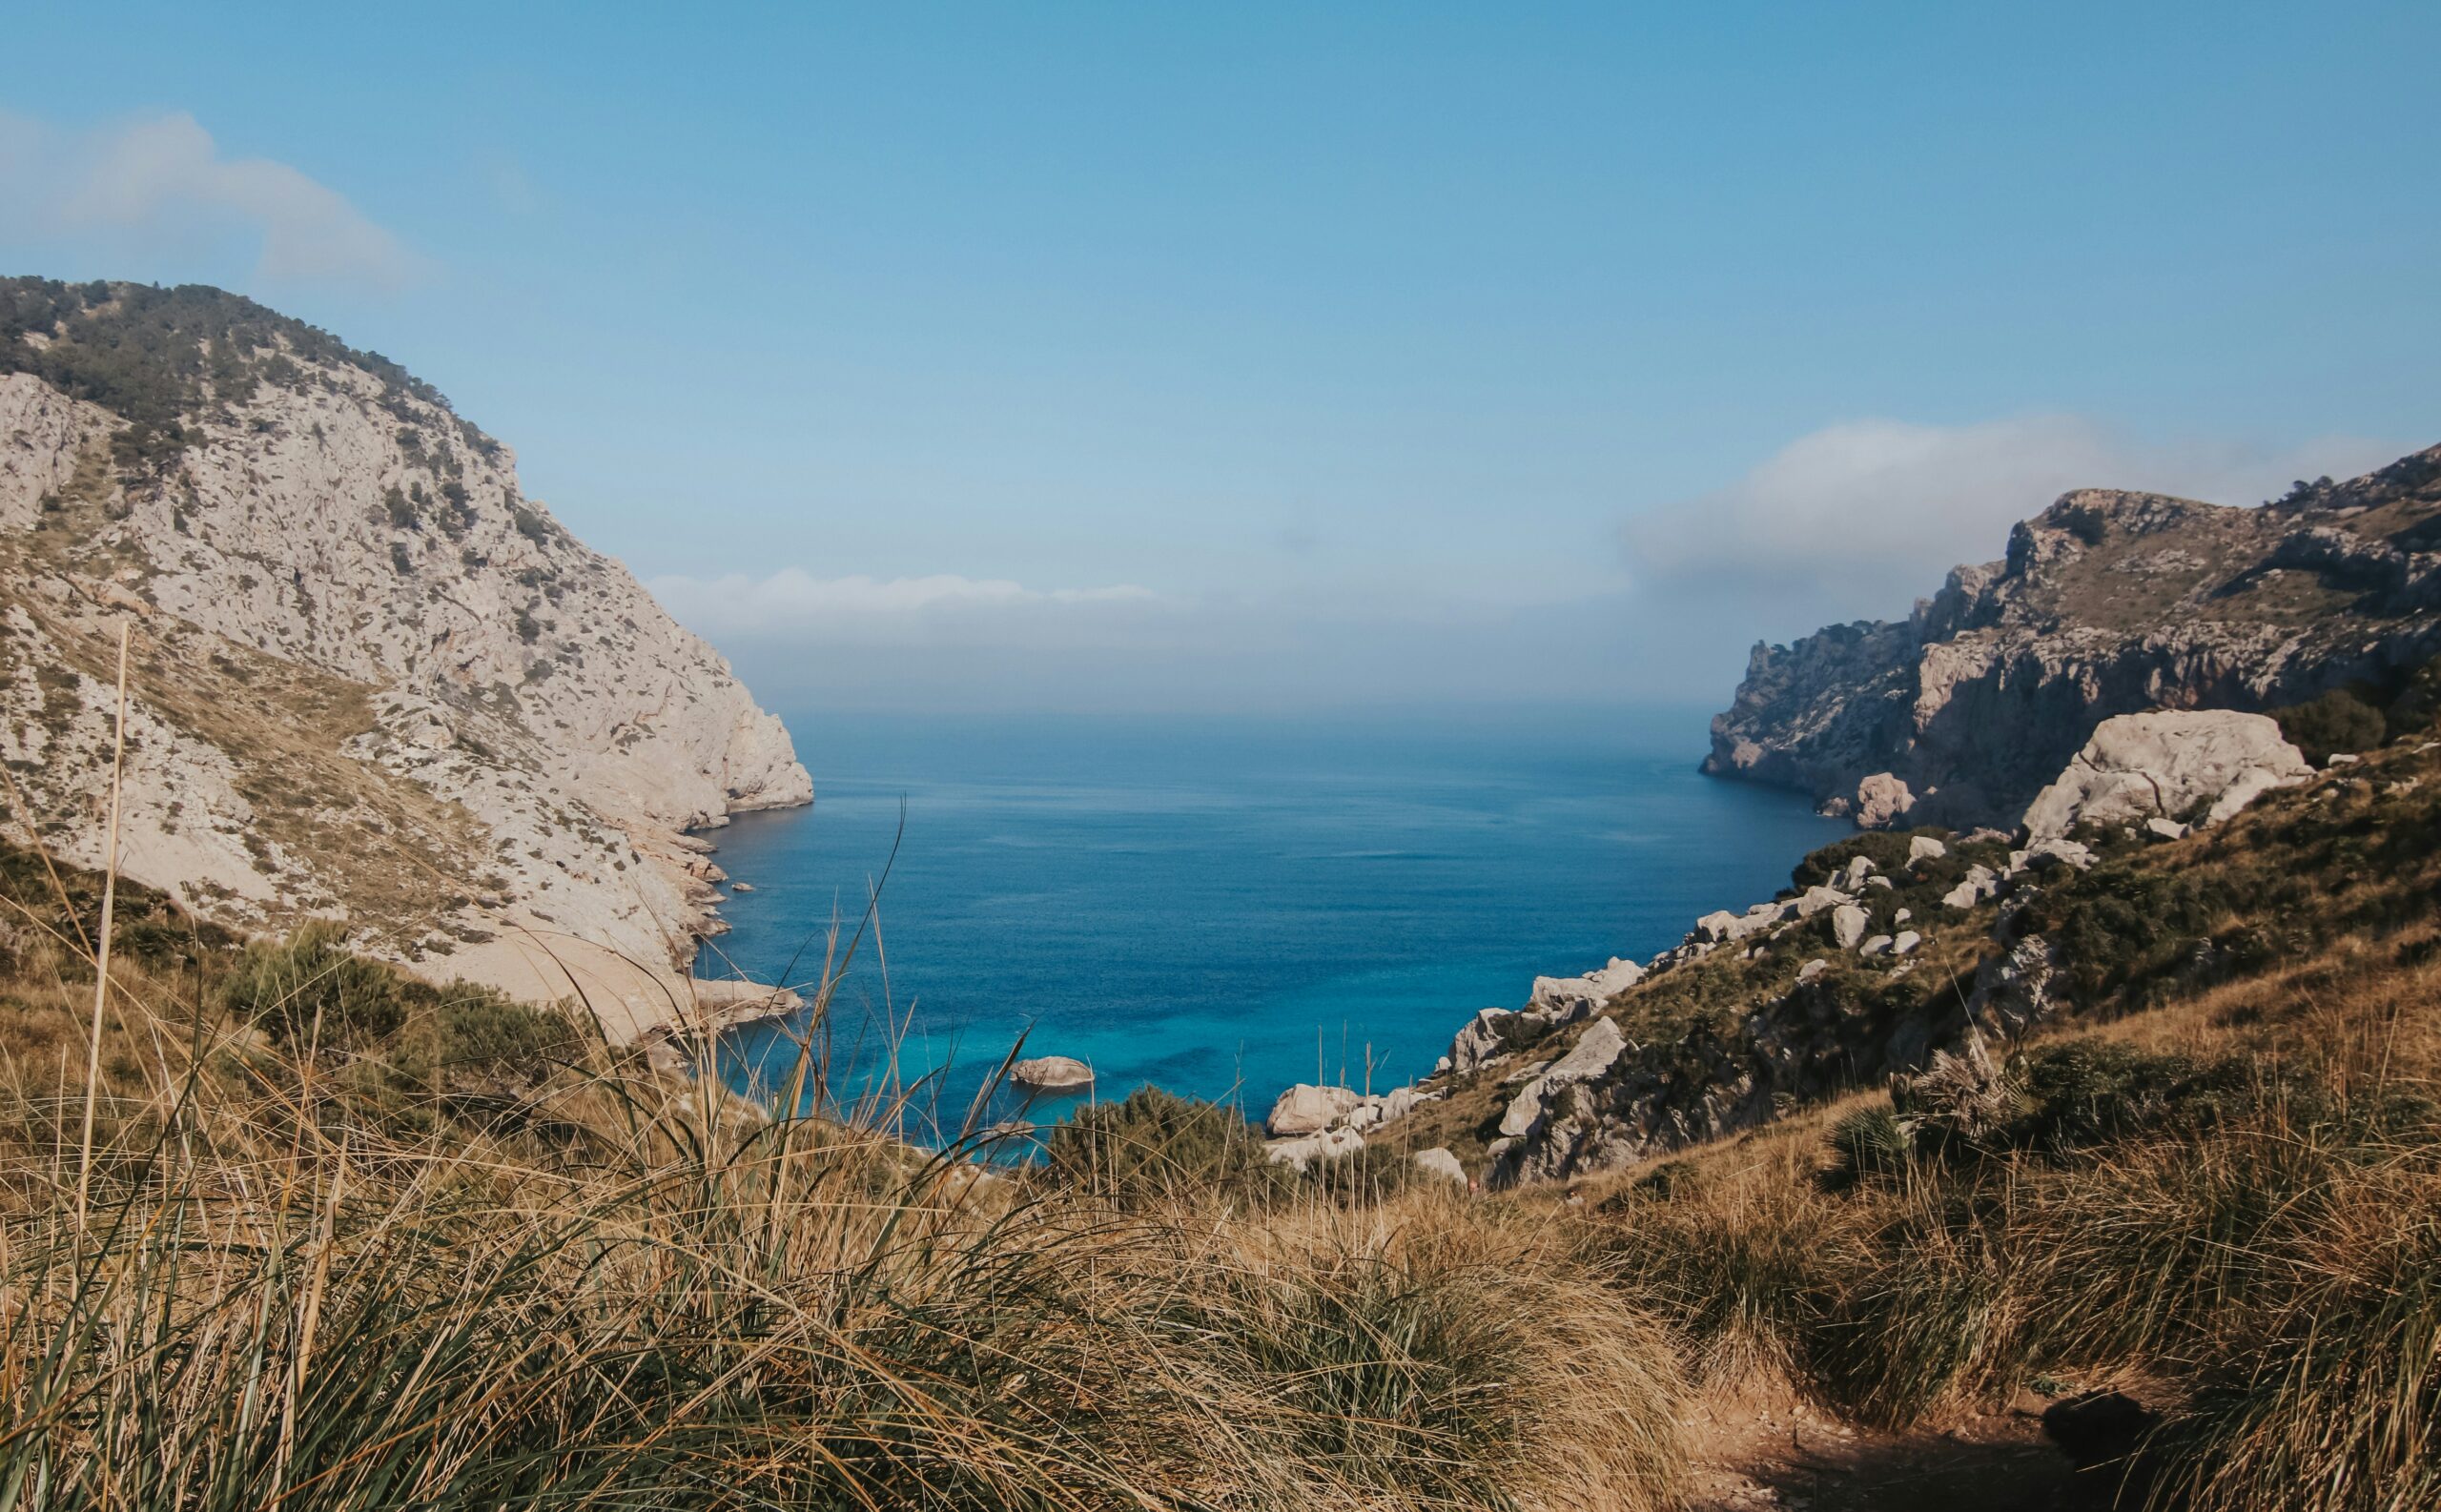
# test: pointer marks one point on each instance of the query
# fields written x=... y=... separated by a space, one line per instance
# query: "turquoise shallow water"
x=1194 y=902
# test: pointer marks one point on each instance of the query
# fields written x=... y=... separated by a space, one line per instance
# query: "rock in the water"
x=1052 y=1073
x=1306 y=1109
x=1882 y=798
x=1440 y=1162
x=2160 y=765
x=1848 y=924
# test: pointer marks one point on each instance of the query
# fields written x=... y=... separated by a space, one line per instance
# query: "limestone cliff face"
x=2106 y=603
x=371 y=678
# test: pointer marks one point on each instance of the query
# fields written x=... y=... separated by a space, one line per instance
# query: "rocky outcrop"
x=371 y=679
x=1051 y=1074
x=2106 y=603
x=1777 y=1031
x=2167 y=766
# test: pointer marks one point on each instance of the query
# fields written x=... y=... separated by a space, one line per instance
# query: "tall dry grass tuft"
x=352 y=1239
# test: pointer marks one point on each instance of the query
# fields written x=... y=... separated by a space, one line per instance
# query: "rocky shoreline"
x=2106 y=603
x=372 y=679
x=1568 y=1090
x=2104 y=683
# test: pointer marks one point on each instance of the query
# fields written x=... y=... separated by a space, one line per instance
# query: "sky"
x=1270 y=356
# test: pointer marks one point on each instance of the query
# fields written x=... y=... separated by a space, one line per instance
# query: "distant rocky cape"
x=2106 y=603
x=371 y=679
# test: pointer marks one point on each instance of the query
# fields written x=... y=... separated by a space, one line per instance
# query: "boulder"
x=1907 y=941
x=1881 y=800
x=1305 y=1108
x=1330 y=1144
x=1051 y=1074
x=1924 y=848
x=1812 y=970
x=1591 y=1057
x=1860 y=867
x=2165 y=829
x=1848 y=924
x=1438 y=1161
x=2044 y=854
x=1818 y=898
x=2162 y=764
x=1486 y=1035
x=1878 y=945
x=1592 y=1054
x=1593 y=987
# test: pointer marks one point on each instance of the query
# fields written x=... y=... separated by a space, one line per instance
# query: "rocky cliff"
x=370 y=678
x=2106 y=603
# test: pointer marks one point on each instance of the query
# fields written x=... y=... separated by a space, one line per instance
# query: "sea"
x=1216 y=906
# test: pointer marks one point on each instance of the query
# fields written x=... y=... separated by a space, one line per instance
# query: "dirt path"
x=1767 y=1450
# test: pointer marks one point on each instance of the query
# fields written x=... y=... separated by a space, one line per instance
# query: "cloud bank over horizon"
x=1853 y=521
x=160 y=186
x=1859 y=519
x=942 y=607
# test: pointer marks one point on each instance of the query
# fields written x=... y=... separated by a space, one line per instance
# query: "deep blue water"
x=1193 y=902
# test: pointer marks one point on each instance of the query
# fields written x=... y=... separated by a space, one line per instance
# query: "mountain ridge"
x=2107 y=602
x=501 y=718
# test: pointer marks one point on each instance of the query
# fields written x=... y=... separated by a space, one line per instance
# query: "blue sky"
x=1270 y=355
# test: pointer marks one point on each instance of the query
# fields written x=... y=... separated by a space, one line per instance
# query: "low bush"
x=310 y=988
x=2339 y=721
x=1154 y=1143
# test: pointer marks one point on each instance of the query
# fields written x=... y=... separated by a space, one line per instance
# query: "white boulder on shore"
x=2139 y=768
x=1306 y=1109
x=1329 y=1144
x=1595 y=986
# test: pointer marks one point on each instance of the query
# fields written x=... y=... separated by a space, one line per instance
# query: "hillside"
x=371 y=679
x=2106 y=603
x=2170 y=1244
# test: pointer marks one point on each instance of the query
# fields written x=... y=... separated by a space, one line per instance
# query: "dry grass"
x=2227 y=1203
x=327 y=1263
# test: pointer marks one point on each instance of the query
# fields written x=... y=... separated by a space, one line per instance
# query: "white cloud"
x=1863 y=517
x=937 y=608
x=163 y=184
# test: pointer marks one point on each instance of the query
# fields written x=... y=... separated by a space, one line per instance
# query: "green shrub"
x=310 y=984
x=1154 y=1142
x=1868 y=1144
x=486 y=1032
x=1885 y=849
x=2339 y=721
x=2120 y=927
